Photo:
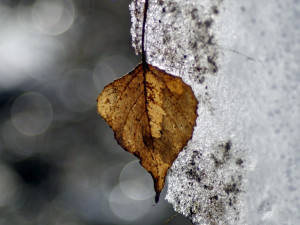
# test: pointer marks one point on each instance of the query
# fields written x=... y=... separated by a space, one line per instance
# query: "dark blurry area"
x=59 y=161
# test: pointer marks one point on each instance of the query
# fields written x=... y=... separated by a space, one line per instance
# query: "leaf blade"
x=153 y=115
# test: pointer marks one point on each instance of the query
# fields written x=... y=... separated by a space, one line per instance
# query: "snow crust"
x=242 y=61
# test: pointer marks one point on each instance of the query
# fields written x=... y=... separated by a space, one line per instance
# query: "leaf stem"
x=144 y=61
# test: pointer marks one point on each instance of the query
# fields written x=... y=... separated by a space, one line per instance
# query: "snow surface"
x=242 y=60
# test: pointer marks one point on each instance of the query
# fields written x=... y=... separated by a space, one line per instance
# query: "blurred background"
x=59 y=162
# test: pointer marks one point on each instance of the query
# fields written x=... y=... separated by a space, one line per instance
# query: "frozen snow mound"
x=242 y=61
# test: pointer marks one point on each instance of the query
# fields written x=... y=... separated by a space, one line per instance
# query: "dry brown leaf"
x=153 y=115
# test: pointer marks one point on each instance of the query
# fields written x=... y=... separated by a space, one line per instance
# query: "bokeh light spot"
x=53 y=17
x=135 y=182
x=22 y=144
x=125 y=207
x=109 y=178
x=31 y=113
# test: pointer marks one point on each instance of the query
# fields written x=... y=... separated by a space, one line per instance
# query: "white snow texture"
x=242 y=60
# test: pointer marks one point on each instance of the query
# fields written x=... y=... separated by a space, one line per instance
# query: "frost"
x=241 y=59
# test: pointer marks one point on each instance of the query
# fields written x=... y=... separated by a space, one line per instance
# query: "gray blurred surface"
x=59 y=162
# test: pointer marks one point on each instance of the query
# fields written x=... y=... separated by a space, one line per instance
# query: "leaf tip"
x=157 y=197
